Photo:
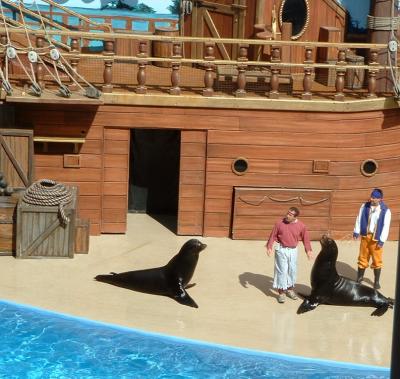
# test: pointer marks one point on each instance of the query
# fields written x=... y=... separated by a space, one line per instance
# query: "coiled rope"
x=47 y=192
x=383 y=23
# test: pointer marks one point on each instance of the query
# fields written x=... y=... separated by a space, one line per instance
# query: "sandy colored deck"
x=236 y=304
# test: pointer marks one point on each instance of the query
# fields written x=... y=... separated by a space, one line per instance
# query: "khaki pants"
x=368 y=250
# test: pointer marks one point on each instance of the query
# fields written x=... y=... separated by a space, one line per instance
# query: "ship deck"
x=237 y=305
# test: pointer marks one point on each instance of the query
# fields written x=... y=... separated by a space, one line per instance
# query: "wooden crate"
x=82 y=230
x=40 y=233
x=8 y=207
x=16 y=157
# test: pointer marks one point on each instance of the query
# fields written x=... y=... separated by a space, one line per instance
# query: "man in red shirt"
x=287 y=233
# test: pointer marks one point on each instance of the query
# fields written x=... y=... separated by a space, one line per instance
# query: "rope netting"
x=47 y=192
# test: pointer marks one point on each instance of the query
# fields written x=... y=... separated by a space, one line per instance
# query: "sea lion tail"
x=105 y=278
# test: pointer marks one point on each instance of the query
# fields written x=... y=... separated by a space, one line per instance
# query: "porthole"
x=296 y=12
x=240 y=166
x=369 y=167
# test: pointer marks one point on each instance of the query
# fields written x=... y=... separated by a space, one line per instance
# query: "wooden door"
x=16 y=157
x=218 y=19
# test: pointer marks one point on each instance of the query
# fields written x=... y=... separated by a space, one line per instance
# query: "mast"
x=380 y=24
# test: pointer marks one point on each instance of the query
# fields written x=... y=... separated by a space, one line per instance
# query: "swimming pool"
x=41 y=344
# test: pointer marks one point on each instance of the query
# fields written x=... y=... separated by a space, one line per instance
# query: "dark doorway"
x=154 y=174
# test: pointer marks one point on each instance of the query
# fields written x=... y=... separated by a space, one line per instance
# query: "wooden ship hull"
x=225 y=149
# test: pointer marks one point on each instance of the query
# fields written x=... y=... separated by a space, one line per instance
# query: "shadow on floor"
x=166 y=220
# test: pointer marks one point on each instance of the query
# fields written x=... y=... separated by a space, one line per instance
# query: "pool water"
x=41 y=344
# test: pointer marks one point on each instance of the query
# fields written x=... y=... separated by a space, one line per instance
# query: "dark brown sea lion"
x=169 y=280
x=328 y=287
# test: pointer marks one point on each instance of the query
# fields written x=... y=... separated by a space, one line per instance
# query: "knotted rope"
x=48 y=192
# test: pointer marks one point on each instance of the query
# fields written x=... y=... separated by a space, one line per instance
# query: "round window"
x=240 y=166
x=369 y=167
x=298 y=13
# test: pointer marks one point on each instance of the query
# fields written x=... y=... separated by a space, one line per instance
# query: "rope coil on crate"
x=48 y=192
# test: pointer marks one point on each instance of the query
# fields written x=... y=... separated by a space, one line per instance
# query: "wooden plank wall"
x=191 y=182
x=281 y=149
x=256 y=210
x=115 y=180
x=66 y=121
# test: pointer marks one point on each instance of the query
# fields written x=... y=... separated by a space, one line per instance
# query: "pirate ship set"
x=246 y=108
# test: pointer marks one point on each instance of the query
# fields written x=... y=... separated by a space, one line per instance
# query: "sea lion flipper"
x=182 y=297
x=185 y=299
x=307 y=305
x=380 y=310
x=190 y=285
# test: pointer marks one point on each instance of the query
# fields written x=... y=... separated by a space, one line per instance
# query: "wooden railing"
x=271 y=70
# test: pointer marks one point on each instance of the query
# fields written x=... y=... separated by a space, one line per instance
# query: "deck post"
x=275 y=71
x=141 y=74
x=372 y=73
x=74 y=61
x=175 y=75
x=209 y=72
x=340 y=74
x=241 y=79
x=108 y=63
x=39 y=69
x=308 y=70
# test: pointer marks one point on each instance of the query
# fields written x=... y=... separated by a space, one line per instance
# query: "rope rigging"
x=34 y=56
x=47 y=192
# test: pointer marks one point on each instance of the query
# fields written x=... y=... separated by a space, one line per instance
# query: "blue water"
x=37 y=344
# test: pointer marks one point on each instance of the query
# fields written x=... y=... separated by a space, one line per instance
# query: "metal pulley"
x=32 y=56
x=92 y=93
x=5 y=84
x=64 y=91
x=54 y=54
x=35 y=88
x=11 y=52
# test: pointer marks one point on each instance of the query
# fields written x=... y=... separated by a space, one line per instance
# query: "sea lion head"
x=329 y=249
x=192 y=246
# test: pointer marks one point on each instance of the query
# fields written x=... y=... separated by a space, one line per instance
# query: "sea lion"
x=169 y=280
x=328 y=287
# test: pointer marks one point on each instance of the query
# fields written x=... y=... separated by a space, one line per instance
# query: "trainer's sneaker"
x=291 y=294
x=281 y=298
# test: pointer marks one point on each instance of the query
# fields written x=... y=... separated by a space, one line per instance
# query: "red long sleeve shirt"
x=289 y=234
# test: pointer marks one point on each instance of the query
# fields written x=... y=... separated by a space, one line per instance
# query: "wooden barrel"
x=354 y=77
x=163 y=49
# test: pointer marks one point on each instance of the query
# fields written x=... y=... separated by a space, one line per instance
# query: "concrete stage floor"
x=233 y=290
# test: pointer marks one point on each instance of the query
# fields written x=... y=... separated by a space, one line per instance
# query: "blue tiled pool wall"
x=42 y=344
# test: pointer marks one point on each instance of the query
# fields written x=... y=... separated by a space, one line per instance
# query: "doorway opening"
x=154 y=174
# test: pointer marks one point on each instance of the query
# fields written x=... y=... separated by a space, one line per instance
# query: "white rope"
x=93 y=91
x=383 y=23
x=47 y=192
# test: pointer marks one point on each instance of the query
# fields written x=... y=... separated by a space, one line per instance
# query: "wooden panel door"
x=16 y=157
x=192 y=182
x=256 y=210
x=218 y=19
